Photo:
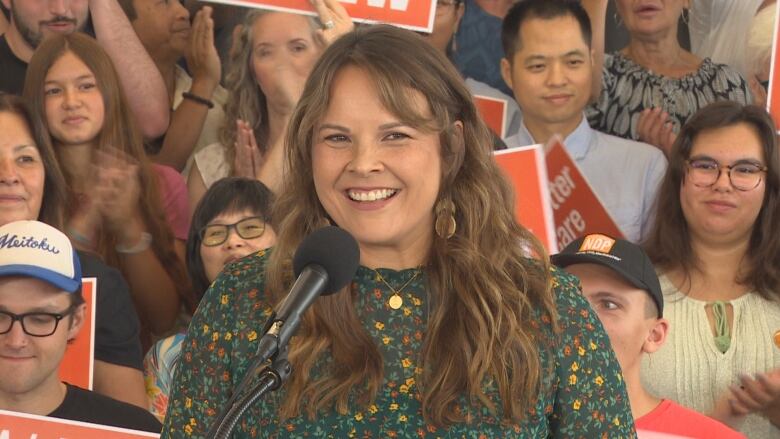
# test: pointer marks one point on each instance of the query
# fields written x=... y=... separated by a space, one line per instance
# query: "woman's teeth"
x=375 y=195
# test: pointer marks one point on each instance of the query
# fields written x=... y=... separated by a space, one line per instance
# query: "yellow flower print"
x=373 y=409
x=402 y=418
x=228 y=336
x=379 y=326
x=575 y=367
x=581 y=351
x=188 y=430
x=386 y=340
x=593 y=346
x=599 y=381
x=252 y=336
x=403 y=388
x=407 y=311
x=193 y=422
x=406 y=362
x=188 y=402
x=410 y=382
x=393 y=407
x=205 y=329
x=215 y=336
x=359 y=416
x=616 y=421
x=416 y=301
x=572 y=380
x=577 y=404
x=225 y=299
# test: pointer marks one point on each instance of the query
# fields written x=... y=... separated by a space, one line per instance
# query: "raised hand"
x=119 y=193
x=334 y=18
x=202 y=57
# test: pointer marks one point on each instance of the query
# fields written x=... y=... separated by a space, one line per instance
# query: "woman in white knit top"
x=716 y=246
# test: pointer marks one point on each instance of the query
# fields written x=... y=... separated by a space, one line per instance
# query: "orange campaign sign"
x=412 y=14
x=15 y=425
x=577 y=209
x=773 y=94
x=493 y=112
x=524 y=168
x=77 y=364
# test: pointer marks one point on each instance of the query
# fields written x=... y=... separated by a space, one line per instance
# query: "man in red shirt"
x=621 y=285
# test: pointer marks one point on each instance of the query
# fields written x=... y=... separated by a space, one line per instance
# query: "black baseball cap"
x=627 y=259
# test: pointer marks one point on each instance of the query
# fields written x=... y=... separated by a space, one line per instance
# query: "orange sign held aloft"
x=412 y=14
x=15 y=425
x=524 y=168
x=773 y=95
x=77 y=364
x=577 y=209
x=493 y=112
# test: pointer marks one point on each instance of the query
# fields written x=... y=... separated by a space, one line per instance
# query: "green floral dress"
x=585 y=397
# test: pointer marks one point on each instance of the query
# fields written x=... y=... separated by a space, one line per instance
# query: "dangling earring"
x=445 y=224
x=618 y=20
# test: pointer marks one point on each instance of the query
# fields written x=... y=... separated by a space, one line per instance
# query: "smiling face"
x=162 y=26
x=721 y=213
x=73 y=102
x=29 y=365
x=235 y=247
x=283 y=54
x=375 y=176
x=626 y=312
x=650 y=17
x=36 y=20
x=550 y=74
x=21 y=171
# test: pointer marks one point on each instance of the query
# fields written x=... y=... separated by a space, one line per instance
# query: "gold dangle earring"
x=445 y=224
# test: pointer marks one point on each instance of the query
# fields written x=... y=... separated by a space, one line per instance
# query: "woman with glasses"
x=717 y=250
x=231 y=221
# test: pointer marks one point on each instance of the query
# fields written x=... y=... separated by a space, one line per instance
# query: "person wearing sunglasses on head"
x=41 y=311
x=230 y=222
x=717 y=250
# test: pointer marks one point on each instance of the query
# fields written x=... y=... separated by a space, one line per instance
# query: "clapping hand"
x=202 y=57
x=248 y=159
x=655 y=128
x=754 y=394
x=118 y=190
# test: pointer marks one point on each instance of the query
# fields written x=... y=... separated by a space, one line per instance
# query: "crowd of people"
x=179 y=152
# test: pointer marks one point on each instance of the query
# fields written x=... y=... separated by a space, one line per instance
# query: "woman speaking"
x=454 y=325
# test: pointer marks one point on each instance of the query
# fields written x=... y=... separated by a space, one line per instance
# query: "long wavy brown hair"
x=484 y=290
x=669 y=243
x=120 y=132
x=247 y=101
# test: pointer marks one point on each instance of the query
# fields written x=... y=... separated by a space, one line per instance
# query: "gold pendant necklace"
x=396 y=301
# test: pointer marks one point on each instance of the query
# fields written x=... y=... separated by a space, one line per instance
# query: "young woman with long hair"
x=119 y=205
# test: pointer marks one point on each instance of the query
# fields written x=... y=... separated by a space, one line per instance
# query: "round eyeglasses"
x=37 y=324
x=744 y=176
x=248 y=228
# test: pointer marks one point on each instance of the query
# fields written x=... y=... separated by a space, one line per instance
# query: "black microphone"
x=324 y=263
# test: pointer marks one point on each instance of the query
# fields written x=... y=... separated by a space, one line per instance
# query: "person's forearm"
x=597 y=12
x=141 y=81
x=121 y=383
x=185 y=129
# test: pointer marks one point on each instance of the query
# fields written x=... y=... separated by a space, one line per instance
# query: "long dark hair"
x=669 y=243
x=226 y=195
x=54 y=194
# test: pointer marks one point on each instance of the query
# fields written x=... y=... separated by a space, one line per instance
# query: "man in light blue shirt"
x=549 y=66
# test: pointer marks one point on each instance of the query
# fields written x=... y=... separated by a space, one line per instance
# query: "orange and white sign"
x=416 y=15
x=577 y=209
x=773 y=94
x=493 y=112
x=77 y=366
x=15 y=425
x=524 y=168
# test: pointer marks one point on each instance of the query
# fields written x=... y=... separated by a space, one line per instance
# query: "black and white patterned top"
x=628 y=88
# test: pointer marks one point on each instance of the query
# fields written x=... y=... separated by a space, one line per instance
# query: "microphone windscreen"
x=333 y=249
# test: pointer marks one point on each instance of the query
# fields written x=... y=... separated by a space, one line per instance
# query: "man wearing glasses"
x=41 y=310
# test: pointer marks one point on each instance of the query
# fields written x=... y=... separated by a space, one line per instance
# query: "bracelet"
x=198 y=99
x=143 y=244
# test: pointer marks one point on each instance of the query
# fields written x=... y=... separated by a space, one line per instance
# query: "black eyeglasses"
x=37 y=324
x=248 y=228
x=744 y=176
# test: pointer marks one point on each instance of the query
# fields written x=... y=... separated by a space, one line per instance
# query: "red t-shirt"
x=675 y=419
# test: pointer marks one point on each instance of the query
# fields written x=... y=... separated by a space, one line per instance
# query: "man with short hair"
x=621 y=285
x=549 y=66
x=32 y=21
x=41 y=310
